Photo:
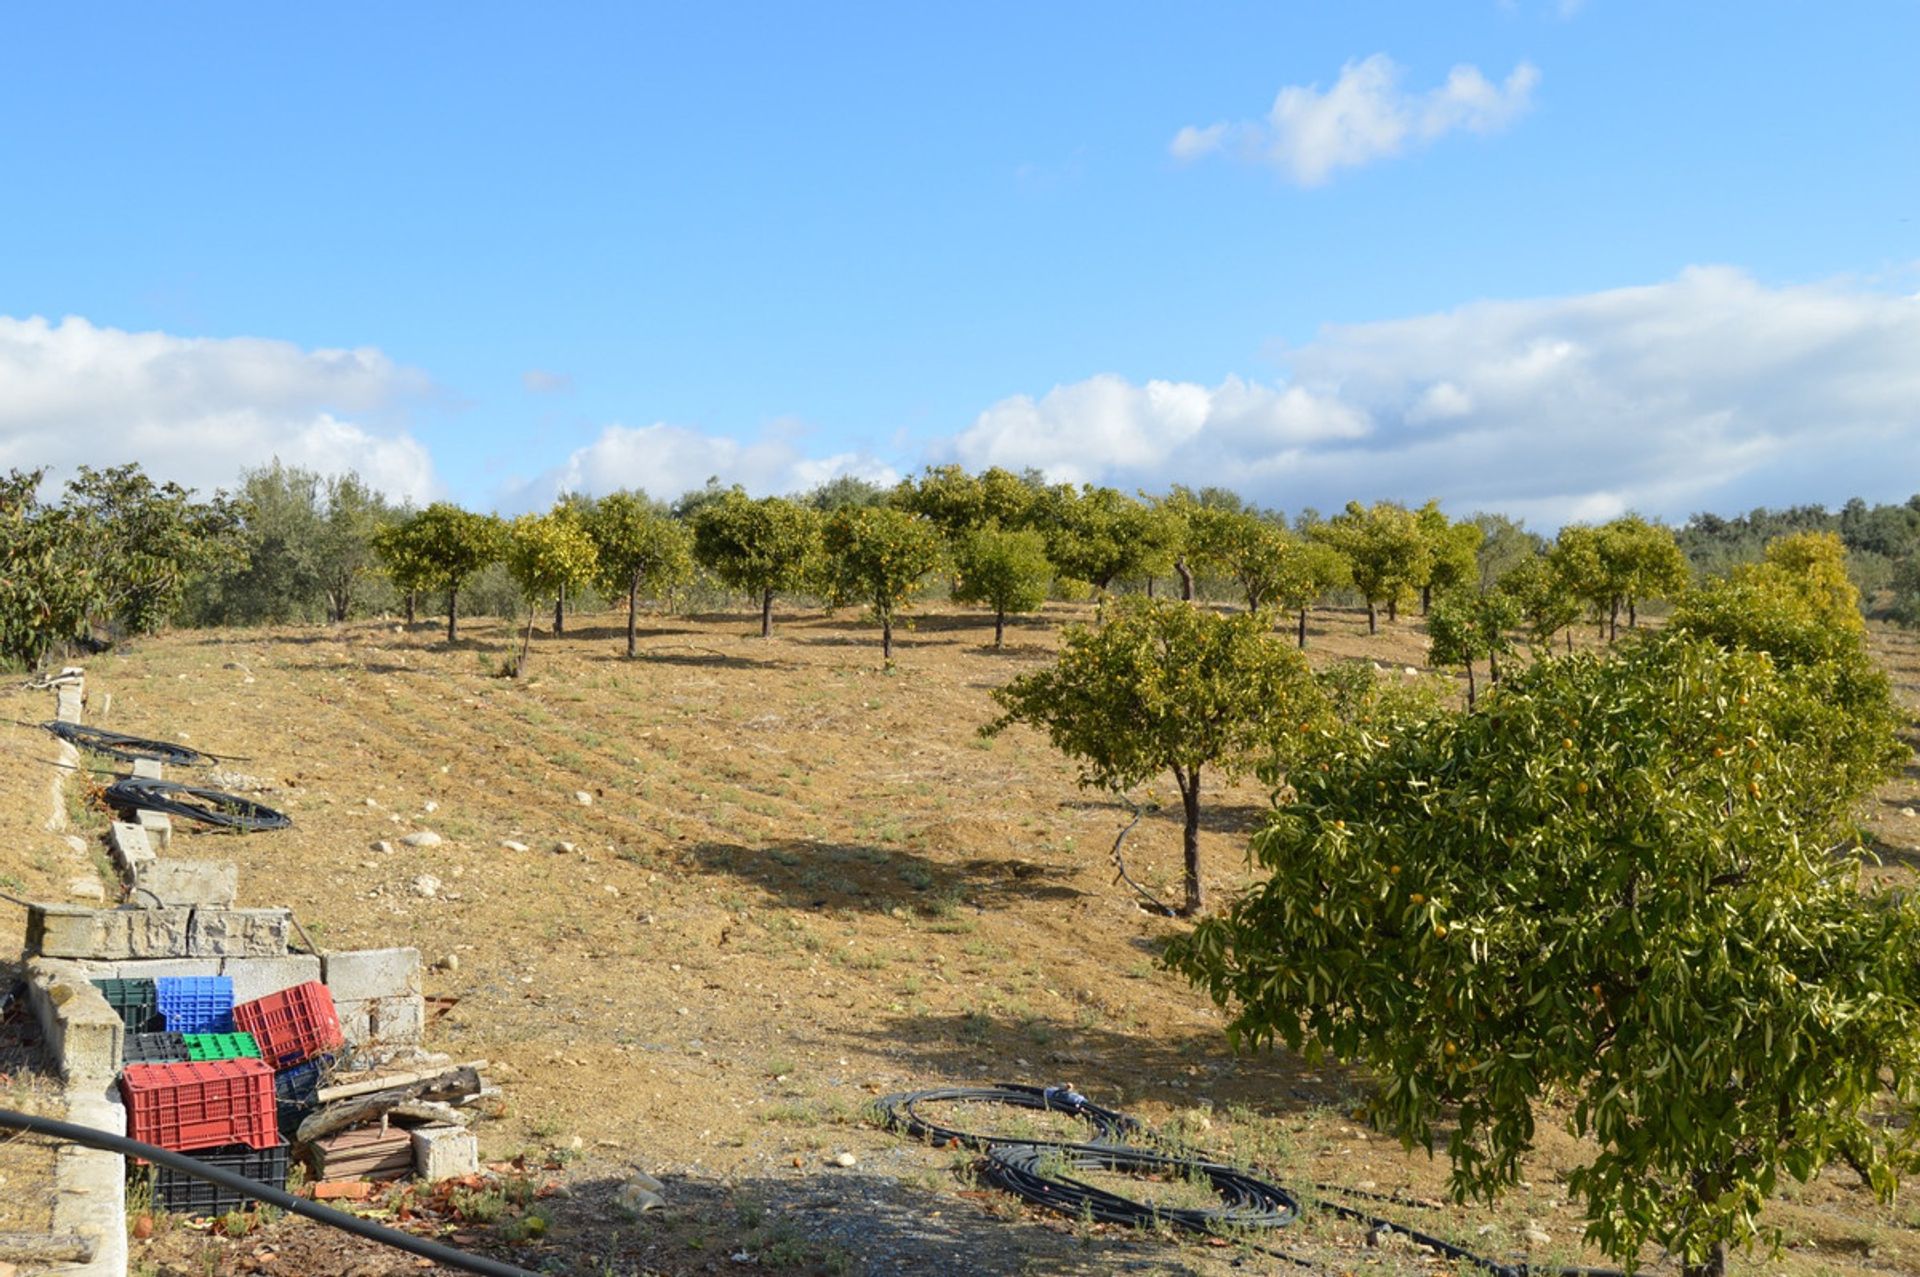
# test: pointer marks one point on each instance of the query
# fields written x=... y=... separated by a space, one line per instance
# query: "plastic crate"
x=201 y=1105
x=155 y=1048
x=221 y=1046
x=296 y=1090
x=181 y=1194
x=195 y=1004
x=134 y=1000
x=292 y=1026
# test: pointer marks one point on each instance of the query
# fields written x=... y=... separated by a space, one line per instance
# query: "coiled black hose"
x=90 y=1138
x=129 y=748
x=207 y=806
x=1033 y=1169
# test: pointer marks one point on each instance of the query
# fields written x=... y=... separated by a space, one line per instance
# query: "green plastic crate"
x=134 y=1001
x=221 y=1046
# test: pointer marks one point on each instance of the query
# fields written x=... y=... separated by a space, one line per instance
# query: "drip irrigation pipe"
x=129 y=748
x=90 y=1138
x=191 y=802
x=1030 y=1169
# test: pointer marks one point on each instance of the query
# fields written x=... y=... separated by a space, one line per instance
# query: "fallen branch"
x=1120 y=864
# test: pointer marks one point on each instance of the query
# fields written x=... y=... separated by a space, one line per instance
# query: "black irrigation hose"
x=1031 y=1169
x=129 y=748
x=87 y=1136
x=208 y=806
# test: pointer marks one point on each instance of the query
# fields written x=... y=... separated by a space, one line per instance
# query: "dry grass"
x=800 y=882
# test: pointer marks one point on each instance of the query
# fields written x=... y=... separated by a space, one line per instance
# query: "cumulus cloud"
x=1708 y=391
x=538 y=381
x=666 y=460
x=1366 y=116
x=198 y=410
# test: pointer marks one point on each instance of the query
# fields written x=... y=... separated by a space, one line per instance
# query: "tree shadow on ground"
x=1894 y=856
x=692 y=656
x=828 y=875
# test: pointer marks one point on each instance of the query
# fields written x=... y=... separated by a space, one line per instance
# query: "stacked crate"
x=298 y=1032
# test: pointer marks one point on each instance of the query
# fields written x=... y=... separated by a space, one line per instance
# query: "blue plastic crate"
x=296 y=1091
x=195 y=1004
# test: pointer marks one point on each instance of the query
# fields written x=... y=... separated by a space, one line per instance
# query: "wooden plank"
x=395 y=1081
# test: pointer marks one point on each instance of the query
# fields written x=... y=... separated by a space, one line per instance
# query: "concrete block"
x=151 y=968
x=201 y=883
x=354 y=975
x=375 y=1024
x=83 y=1034
x=257 y=977
x=70 y=931
x=147 y=768
x=159 y=827
x=90 y=1200
x=444 y=1152
x=69 y=700
x=131 y=847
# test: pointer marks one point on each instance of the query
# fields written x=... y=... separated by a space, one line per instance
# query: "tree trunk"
x=1373 y=619
x=1190 y=800
x=1613 y=620
x=999 y=628
x=633 y=611
x=1569 y=640
x=1493 y=668
x=1426 y=598
x=1633 y=619
x=1149 y=587
x=1303 y=629
x=526 y=641
x=560 y=611
x=766 y=613
x=1715 y=1266
x=412 y=597
x=1393 y=609
x=1471 y=690
x=1186 y=578
x=453 y=612
x=886 y=638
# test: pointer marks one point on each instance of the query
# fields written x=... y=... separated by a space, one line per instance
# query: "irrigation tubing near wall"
x=1033 y=1169
x=129 y=749
x=191 y=802
x=86 y=1135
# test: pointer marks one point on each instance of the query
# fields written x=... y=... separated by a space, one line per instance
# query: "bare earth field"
x=799 y=883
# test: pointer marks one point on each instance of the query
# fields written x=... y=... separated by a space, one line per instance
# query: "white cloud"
x=538 y=381
x=667 y=460
x=1709 y=391
x=1309 y=134
x=198 y=410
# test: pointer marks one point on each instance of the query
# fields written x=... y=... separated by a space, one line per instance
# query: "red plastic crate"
x=293 y=1025
x=201 y=1105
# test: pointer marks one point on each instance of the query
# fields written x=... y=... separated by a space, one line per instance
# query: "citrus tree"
x=880 y=556
x=1465 y=625
x=761 y=548
x=440 y=548
x=1544 y=602
x=546 y=554
x=1164 y=686
x=640 y=550
x=1386 y=549
x=1006 y=570
x=396 y=548
x=1453 y=552
x=1612 y=886
x=1306 y=571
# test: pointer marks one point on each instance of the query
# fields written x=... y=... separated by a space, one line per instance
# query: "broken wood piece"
x=375 y=1108
x=458 y=1078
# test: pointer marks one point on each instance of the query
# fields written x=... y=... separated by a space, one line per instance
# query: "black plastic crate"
x=181 y=1194
x=296 y=1091
x=135 y=1000
x=155 y=1048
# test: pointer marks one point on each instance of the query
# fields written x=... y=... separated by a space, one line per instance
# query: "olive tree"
x=546 y=554
x=146 y=541
x=759 y=547
x=880 y=556
x=640 y=550
x=1006 y=570
x=47 y=578
x=1612 y=887
x=1165 y=686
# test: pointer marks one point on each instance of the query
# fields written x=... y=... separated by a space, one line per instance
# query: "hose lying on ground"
x=208 y=806
x=129 y=748
x=1035 y=1170
x=90 y=1138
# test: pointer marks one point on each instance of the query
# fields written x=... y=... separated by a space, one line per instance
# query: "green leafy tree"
x=147 y=540
x=546 y=554
x=947 y=497
x=397 y=549
x=1544 y=602
x=1618 y=566
x=1453 y=552
x=761 y=548
x=1242 y=546
x=641 y=550
x=1100 y=535
x=48 y=582
x=1005 y=570
x=1605 y=888
x=440 y=548
x=1305 y=572
x=1465 y=625
x=881 y=556
x=344 y=558
x=1386 y=549
x=1165 y=686
x=1505 y=544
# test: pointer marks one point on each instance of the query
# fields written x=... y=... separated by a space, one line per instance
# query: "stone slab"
x=131 y=847
x=147 y=768
x=90 y=1198
x=353 y=975
x=444 y=1152
x=159 y=827
x=84 y=1036
x=257 y=977
x=203 y=884
x=70 y=931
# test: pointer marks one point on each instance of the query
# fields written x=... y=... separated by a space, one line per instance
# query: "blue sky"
x=1558 y=259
